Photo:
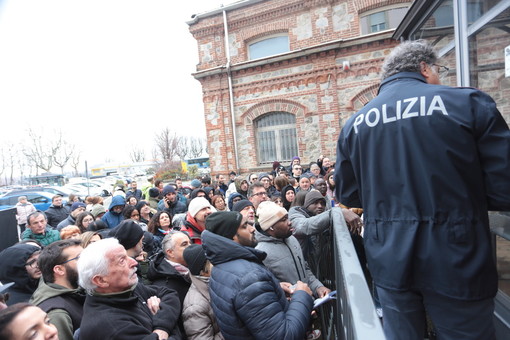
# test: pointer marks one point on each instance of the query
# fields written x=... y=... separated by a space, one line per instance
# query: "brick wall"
x=312 y=85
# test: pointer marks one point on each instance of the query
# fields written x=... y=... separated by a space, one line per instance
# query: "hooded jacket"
x=161 y=273
x=231 y=199
x=238 y=181
x=55 y=215
x=286 y=261
x=111 y=218
x=426 y=171
x=12 y=269
x=197 y=313
x=247 y=298
x=63 y=305
x=306 y=225
x=125 y=316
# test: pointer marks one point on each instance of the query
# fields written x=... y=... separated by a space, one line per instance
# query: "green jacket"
x=49 y=236
x=60 y=317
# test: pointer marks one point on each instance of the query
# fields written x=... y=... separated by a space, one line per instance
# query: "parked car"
x=40 y=199
x=84 y=189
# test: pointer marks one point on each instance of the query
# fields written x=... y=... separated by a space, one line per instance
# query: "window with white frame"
x=276 y=137
x=381 y=20
x=269 y=46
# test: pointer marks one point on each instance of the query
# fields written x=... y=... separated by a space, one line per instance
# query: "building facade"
x=279 y=77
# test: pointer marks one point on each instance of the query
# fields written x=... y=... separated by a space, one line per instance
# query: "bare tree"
x=63 y=153
x=183 y=147
x=167 y=144
x=75 y=163
x=11 y=159
x=2 y=161
x=39 y=152
x=136 y=154
x=196 y=147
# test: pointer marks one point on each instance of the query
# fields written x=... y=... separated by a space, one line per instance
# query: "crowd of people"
x=234 y=259
x=206 y=261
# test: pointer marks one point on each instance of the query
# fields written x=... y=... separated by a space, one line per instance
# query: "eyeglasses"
x=442 y=71
x=32 y=263
x=263 y=193
x=74 y=258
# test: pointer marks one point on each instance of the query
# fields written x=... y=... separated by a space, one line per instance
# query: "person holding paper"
x=284 y=255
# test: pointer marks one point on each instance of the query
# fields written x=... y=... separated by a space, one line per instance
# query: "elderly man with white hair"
x=117 y=305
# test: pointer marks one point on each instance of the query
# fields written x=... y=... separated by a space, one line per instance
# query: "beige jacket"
x=197 y=313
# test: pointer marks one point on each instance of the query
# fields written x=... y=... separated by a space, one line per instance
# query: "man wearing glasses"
x=426 y=162
x=297 y=170
x=257 y=193
x=58 y=293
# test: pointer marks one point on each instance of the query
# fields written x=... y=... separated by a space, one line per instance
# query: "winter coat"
x=174 y=208
x=49 y=236
x=63 y=305
x=126 y=316
x=111 y=218
x=247 y=298
x=12 y=269
x=426 y=163
x=286 y=261
x=307 y=226
x=55 y=215
x=23 y=210
x=70 y=220
x=197 y=313
x=162 y=273
x=137 y=193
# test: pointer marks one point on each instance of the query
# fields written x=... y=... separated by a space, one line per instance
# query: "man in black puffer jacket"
x=248 y=301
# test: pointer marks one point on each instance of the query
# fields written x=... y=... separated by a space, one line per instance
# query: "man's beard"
x=71 y=276
x=247 y=242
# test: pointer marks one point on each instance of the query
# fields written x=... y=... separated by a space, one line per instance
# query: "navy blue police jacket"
x=426 y=162
x=247 y=298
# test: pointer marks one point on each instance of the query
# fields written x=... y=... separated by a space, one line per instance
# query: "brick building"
x=294 y=71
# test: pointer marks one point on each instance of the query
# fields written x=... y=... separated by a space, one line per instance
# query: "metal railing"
x=353 y=316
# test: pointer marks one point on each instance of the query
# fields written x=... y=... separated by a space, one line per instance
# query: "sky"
x=110 y=74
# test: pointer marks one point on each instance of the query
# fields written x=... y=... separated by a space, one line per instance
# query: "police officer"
x=426 y=162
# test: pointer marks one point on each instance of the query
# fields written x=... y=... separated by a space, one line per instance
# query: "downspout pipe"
x=230 y=91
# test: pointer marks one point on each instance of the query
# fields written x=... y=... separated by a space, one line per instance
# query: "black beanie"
x=312 y=197
x=240 y=205
x=224 y=223
x=194 y=255
x=128 y=232
x=153 y=192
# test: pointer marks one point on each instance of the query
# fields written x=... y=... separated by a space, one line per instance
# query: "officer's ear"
x=430 y=75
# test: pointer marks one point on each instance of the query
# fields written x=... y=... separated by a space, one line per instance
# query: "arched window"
x=268 y=46
x=276 y=137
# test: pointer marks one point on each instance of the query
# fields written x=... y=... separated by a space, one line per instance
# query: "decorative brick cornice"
x=272 y=105
x=367 y=5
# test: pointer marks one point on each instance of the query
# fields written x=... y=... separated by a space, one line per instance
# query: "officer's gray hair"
x=93 y=261
x=407 y=56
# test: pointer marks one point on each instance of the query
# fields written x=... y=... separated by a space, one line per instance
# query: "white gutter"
x=230 y=92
